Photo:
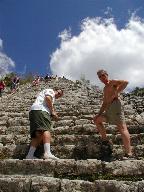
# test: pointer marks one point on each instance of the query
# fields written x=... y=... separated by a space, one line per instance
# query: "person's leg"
x=125 y=138
x=34 y=143
x=99 y=124
x=13 y=90
x=106 y=147
x=46 y=141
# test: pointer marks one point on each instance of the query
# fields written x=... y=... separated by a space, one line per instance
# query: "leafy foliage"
x=8 y=78
x=138 y=91
x=23 y=80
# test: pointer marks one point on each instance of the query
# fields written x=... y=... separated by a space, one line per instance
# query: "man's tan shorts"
x=115 y=113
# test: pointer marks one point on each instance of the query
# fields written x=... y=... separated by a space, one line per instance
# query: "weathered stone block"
x=127 y=167
x=65 y=167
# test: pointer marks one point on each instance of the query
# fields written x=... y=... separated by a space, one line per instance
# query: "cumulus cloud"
x=101 y=45
x=5 y=62
x=0 y=44
x=108 y=12
x=65 y=35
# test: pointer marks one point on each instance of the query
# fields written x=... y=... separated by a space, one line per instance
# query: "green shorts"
x=115 y=113
x=39 y=121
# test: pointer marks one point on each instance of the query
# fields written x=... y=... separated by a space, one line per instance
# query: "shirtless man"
x=111 y=110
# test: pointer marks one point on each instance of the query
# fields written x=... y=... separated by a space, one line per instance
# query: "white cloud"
x=101 y=45
x=0 y=44
x=65 y=35
x=5 y=62
x=108 y=12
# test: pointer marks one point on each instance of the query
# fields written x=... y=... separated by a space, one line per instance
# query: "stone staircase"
x=75 y=141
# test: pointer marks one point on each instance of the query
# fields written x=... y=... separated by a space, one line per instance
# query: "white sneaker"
x=33 y=157
x=50 y=156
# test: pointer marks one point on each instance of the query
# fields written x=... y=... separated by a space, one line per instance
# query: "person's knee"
x=46 y=134
x=97 y=120
x=38 y=136
x=122 y=128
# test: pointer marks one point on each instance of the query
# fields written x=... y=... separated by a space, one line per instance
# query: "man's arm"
x=103 y=108
x=51 y=107
x=49 y=104
x=120 y=85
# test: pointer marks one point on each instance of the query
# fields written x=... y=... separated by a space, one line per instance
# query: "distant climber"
x=112 y=112
x=15 y=84
x=41 y=113
x=36 y=81
x=56 y=78
x=2 y=87
x=47 y=78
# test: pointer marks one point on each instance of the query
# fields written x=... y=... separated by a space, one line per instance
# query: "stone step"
x=69 y=168
x=93 y=151
x=136 y=139
x=24 y=121
x=18 y=114
x=66 y=139
x=87 y=129
x=34 y=183
x=78 y=129
x=16 y=109
x=18 y=130
x=78 y=151
x=19 y=183
x=14 y=130
x=14 y=139
x=91 y=129
x=17 y=121
x=72 y=109
x=3 y=114
x=73 y=122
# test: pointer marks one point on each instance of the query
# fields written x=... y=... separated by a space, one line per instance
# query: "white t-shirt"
x=40 y=103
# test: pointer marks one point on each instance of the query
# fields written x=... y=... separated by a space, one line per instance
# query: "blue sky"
x=30 y=29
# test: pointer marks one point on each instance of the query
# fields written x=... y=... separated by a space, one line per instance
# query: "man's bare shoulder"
x=113 y=83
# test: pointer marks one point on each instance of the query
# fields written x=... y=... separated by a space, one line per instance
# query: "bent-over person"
x=40 y=116
x=112 y=111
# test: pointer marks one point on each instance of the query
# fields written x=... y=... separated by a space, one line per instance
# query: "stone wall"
x=75 y=140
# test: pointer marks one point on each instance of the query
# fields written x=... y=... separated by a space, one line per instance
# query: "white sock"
x=31 y=151
x=47 y=148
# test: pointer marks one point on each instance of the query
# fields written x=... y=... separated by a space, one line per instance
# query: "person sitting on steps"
x=112 y=112
x=40 y=116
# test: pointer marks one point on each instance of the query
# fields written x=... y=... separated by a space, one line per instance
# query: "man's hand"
x=115 y=95
x=54 y=116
